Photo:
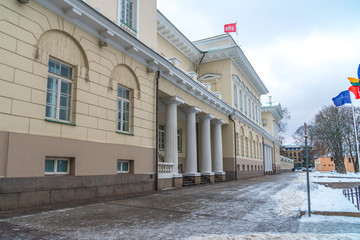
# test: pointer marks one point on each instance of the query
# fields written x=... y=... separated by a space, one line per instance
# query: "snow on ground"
x=293 y=199
x=280 y=236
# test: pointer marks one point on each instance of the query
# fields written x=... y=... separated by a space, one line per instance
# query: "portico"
x=200 y=148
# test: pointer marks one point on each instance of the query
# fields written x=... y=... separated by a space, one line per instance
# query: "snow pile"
x=289 y=201
x=281 y=236
x=293 y=199
x=330 y=200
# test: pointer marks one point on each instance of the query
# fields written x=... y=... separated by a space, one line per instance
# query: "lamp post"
x=307 y=170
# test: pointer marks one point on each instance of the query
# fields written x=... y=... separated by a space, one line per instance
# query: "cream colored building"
x=80 y=87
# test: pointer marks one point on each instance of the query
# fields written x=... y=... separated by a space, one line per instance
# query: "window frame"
x=123 y=14
x=59 y=78
x=235 y=96
x=121 y=119
x=55 y=166
x=241 y=99
x=120 y=163
x=161 y=138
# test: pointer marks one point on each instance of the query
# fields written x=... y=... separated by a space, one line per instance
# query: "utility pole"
x=307 y=170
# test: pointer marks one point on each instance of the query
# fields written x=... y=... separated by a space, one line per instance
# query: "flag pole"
x=356 y=136
x=237 y=35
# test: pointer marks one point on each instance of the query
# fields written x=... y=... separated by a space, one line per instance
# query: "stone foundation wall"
x=244 y=174
x=36 y=191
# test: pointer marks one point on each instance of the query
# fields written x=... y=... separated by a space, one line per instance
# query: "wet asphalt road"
x=231 y=208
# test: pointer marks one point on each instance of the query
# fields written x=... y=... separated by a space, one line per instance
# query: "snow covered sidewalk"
x=293 y=199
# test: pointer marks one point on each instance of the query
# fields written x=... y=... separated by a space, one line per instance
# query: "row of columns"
x=267 y=158
x=171 y=151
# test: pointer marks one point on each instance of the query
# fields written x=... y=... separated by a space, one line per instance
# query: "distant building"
x=326 y=164
x=294 y=152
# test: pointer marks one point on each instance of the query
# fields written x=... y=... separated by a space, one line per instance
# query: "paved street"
x=229 y=208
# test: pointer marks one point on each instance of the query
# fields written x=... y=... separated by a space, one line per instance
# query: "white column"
x=206 y=145
x=171 y=145
x=218 y=153
x=191 y=150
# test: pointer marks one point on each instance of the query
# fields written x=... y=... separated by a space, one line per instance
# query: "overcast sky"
x=303 y=50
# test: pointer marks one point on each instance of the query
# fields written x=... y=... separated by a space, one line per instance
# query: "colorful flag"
x=342 y=98
x=231 y=27
x=355 y=90
x=354 y=81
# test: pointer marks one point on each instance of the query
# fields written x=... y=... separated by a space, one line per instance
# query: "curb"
x=344 y=214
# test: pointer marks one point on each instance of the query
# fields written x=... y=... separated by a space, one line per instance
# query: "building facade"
x=294 y=152
x=100 y=100
x=326 y=164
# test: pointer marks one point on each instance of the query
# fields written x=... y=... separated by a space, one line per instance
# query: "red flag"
x=231 y=27
x=355 y=90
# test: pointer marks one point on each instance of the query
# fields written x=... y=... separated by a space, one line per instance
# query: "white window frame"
x=235 y=96
x=245 y=107
x=161 y=137
x=61 y=79
x=55 y=172
x=135 y=11
x=241 y=99
x=121 y=162
x=120 y=119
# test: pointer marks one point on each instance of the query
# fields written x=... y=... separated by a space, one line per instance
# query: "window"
x=253 y=111
x=243 y=167
x=128 y=12
x=56 y=166
x=241 y=99
x=294 y=154
x=237 y=144
x=245 y=101
x=58 y=93
x=123 y=110
x=123 y=166
x=179 y=139
x=161 y=136
x=235 y=97
x=249 y=105
x=349 y=160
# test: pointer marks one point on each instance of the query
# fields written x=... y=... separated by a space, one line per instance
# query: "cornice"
x=240 y=60
x=168 y=31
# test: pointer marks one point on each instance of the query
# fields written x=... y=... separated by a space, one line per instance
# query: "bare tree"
x=329 y=128
x=283 y=123
x=350 y=141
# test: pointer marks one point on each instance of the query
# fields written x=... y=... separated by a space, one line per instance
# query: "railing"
x=165 y=167
x=353 y=195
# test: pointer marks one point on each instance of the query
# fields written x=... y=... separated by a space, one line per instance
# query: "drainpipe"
x=263 y=147
x=157 y=132
x=235 y=160
x=197 y=68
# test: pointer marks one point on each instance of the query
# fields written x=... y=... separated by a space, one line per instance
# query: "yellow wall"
x=169 y=51
x=147 y=18
x=224 y=83
x=28 y=40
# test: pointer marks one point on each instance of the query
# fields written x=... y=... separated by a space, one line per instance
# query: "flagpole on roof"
x=237 y=35
x=356 y=136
